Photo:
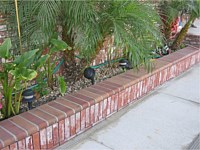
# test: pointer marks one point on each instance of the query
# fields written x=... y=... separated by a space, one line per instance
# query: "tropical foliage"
x=170 y=10
x=14 y=77
x=84 y=26
x=16 y=74
x=194 y=11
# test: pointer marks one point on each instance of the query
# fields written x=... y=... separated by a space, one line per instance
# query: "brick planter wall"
x=56 y=122
x=191 y=39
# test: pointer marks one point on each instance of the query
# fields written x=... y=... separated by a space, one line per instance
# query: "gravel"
x=74 y=84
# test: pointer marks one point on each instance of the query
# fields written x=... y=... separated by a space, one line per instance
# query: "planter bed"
x=54 y=123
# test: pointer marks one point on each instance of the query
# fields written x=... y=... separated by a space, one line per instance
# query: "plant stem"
x=18 y=25
x=49 y=74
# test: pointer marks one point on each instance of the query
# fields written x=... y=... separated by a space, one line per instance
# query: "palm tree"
x=169 y=11
x=194 y=11
x=84 y=26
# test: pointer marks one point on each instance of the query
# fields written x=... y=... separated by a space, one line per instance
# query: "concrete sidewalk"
x=168 y=118
x=195 y=31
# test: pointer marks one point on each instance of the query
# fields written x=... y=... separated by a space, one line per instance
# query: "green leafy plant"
x=55 y=46
x=41 y=86
x=85 y=25
x=62 y=85
x=194 y=12
x=14 y=77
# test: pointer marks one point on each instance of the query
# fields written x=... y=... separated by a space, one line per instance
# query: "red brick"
x=84 y=97
x=98 y=92
x=96 y=112
x=59 y=114
x=22 y=144
x=132 y=93
x=151 y=83
x=160 y=64
x=172 y=71
x=108 y=111
x=122 y=81
x=103 y=89
x=138 y=90
x=83 y=119
x=187 y=62
x=69 y=108
x=34 y=119
x=61 y=105
x=129 y=94
x=61 y=131
x=119 y=101
x=75 y=103
x=97 y=98
x=148 y=84
x=166 y=72
x=112 y=105
x=30 y=128
x=101 y=110
x=175 y=57
x=187 y=51
x=122 y=104
x=111 y=87
x=43 y=139
x=126 y=97
x=116 y=101
x=13 y=146
x=11 y=127
x=114 y=85
x=36 y=140
x=156 y=82
x=140 y=74
x=119 y=86
x=6 y=148
x=105 y=107
x=78 y=122
x=92 y=115
x=49 y=119
x=49 y=136
x=6 y=138
x=29 y=142
x=135 y=91
x=72 y=125
x=87 y=118
x=128 y=76
x=193 y=60
x=55 y=134
x=80 y=102
x=67 y=128
x=163 y=76
x=144 y=84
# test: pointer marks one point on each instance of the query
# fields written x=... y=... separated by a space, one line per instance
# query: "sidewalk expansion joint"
x=100 y=143
x=188 y=100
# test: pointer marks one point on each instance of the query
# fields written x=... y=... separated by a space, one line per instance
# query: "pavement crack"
x=100 y=143
x=188 y=100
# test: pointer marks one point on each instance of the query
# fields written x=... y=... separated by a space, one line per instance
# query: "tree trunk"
x=69 y=55
x=180 y=37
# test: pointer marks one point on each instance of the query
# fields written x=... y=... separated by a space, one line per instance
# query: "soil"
x=74 y=84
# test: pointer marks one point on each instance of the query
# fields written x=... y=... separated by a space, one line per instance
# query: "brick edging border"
x=54 y=123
